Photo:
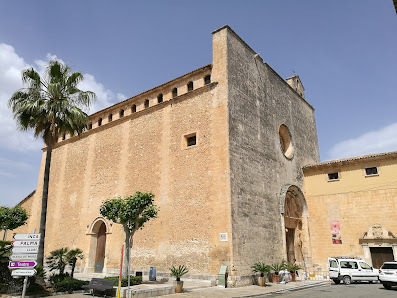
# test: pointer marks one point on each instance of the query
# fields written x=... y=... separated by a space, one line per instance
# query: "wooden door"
x=380 y=255
x=100 y=249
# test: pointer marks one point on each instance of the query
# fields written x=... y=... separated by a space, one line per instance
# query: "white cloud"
x=11 y=66
x=378 y=141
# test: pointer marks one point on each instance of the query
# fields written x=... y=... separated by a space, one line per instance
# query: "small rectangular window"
x=371 y=171
x=190 y=140
x=333 y=176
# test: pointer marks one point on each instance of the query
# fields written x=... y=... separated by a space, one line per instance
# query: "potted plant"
x=262 y=269
x=292 y=268
x=178 y=272
x=276 y=268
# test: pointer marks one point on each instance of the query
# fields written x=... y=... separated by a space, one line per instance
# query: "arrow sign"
x=25 y=250
x=13 y=265
x=27 y=236
x=23 y=257
x=23 y=272
x=25 y=243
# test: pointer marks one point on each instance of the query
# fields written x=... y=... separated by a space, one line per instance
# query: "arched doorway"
x=98 y=231
x=294 y=218
x=100 y=248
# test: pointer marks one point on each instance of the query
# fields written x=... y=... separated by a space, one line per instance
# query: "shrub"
x=134 y=280
x=179 y=271
x=261 y=268
x=69 y=285
x=277 y=267
x=57 y=278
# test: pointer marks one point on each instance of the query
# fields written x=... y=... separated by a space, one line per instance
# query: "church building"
x=224 y=150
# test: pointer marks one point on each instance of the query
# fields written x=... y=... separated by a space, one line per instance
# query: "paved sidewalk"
x=194 y=288
x=248 y=291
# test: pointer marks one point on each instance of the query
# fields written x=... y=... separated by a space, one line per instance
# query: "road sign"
x=27 y=236
x=25 y=250
x=16 y=265
x=23 y=257
x=25 y=243
x=23 y=272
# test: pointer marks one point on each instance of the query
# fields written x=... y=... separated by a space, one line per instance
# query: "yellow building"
x=352 y=207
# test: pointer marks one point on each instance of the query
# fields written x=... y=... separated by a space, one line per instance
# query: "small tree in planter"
x=276 y=268
x=292 y=268
x=178 y=272
x=261 y=268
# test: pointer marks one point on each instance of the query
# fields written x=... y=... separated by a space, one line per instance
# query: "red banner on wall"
x=335 y=232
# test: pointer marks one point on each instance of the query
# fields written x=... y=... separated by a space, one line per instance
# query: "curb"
x=320 y=284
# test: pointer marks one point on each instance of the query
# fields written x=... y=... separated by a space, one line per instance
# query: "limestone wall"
x=259 y=101
x=146 y=151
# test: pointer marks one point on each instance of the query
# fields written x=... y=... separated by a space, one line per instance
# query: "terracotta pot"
x=276 y=278
x=293 y=276
x=261 y=281
x=178 y=286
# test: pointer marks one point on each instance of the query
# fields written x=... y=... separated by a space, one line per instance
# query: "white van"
x=350 y=270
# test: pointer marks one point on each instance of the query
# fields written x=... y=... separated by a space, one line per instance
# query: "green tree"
x=132 y=213
x=51 y=106
x=12 y=218
x=58 y=260
x=72 y=256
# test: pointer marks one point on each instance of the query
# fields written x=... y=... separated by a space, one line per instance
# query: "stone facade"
x=221 y=200
x=363 y=205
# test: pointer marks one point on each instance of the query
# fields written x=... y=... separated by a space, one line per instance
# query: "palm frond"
x=51 y=106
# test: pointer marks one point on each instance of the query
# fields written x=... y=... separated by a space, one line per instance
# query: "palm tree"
x=51 y=106
x=71 y=258
x=57 y=260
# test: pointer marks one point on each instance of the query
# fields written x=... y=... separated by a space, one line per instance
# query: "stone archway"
x=294 y=223
x=98 y=230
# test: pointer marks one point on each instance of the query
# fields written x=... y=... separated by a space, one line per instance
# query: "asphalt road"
x=335 y=291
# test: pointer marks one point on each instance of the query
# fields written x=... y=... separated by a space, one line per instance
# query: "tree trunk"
x=126 y=251
x=73 y=266
x=44 y=199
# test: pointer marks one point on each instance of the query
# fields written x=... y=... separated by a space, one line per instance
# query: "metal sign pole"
x=128 y=270
x=25 y=282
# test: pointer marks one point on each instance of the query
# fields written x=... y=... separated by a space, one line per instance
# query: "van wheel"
x=387 y=287
x=347 y=280
x=337 y=281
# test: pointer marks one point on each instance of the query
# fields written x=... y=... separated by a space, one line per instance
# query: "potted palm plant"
x=276 y=268
x=261 y=268
x=292 y=268
x=178 y=272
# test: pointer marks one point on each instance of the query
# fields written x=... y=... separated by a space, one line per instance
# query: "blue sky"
x=344 y=52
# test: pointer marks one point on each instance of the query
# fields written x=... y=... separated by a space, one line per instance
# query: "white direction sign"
x=25 y=250
x=25 y=243
x=27 y=236
x=23 y=257
x=23 y=272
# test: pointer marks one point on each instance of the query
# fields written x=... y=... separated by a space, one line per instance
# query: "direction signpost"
x=23 y=272
x=24 y=256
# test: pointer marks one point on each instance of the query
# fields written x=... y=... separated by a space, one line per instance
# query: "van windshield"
x=389 y=266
